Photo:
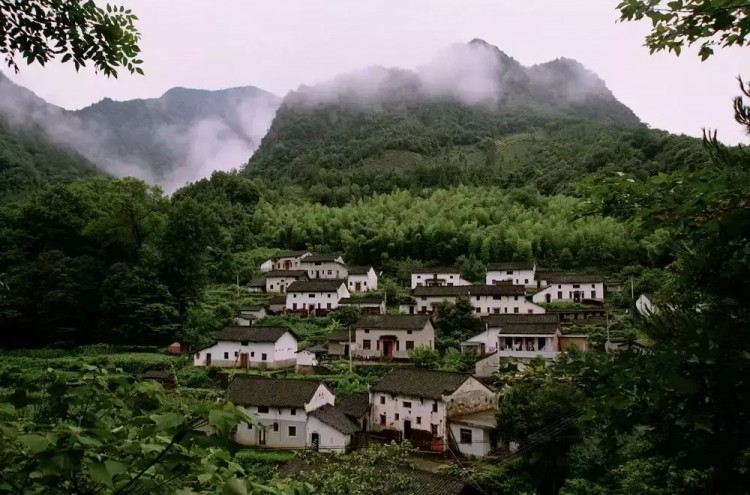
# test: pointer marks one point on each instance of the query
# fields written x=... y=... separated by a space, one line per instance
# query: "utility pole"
x=632 y=289
x=607 y=345
x=350 y=350
x=238 y=283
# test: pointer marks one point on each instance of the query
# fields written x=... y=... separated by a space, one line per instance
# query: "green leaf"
x=115 y=467
x=167 y=420
x=235 y=486
x=34 y=443
x=99 y=473
x=223 y=420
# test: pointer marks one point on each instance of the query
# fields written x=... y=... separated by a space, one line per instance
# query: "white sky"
x=279 y=44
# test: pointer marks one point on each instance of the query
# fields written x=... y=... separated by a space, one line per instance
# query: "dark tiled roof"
x=359 y=270
x=428 y=384
x=322 y=258
x=504 y=319
x=437 y=269
x=393 y=322
x=320 y=285
x=252 y=334
x=575 y=278
x=289 y=254
x=471 y=290
x=277 y=300
x=339 y=336
x=361 y=300
x=247 y=390
x=545 y=274
x=597 y=310
x=511 y=265
x=355 y=405
x=256 y=307
x=335 y=418
x=157 y=375
x=286 y=273
x=315 y=349
x=257 y=282
x=529 y=329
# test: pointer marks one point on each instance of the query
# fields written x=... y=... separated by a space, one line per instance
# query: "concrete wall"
x=320 y=300
x=518 y=277
x=419 y=412
x=249 y=434
x=480 y=440
x=483 y=305
x=470 y=397
x=330 y=439
x=565 y=292
x=289 y=263
x=279 y=284
x=449 y=279
x=306 y=358
x=326 y=269
x=369 y=282
x=420 y=338
x=279 y=354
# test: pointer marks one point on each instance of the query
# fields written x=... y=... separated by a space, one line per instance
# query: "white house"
x=518 y=272
x=326 y=266
x=248 y=314
x=277 y=304
x=487 y=341
x=392 y=336
x=418 y=405
x=279 y=280
x=645 y=304
x=571 y=288
x=250 y=347
x=340 y=342
x=362 y=279
x=258 y=284
x=541 y=277
x=521 y=342
x=308 y=359
x=289 y=260
x=447 y=276
x=289 y=414
x=366 y=305
x=318 y=296
x=500 y=298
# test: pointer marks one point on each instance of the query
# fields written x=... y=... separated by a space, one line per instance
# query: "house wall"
x=420 y=408
x=427 y=304
x=321 y=397
x=330 y=439
x=424 y=337
x=306 y=358
x=336 y=348
x=483 y=305
x=320 y=300
x=518 y=277
x=449 y=279
x=564 y=292
x=407 y=309
x=487 y=366
x=266 y=266
x=643 y=305
x=277 y=308
x=325 y=269
x=279 y=354
x=489 y=337
x=289 y=263
x=279 y=284
x=369 y=281
x=470 y=397
x=244 y=322
x=248 y=433
x=480 y=440
x=365 y=308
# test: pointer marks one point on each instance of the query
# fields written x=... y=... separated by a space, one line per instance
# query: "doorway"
x=243 y=360
x=407 y=429
x=208 y=359
x=315 y=440
x=358 y=287
x=548 y=297
x=261 y=436
x=387 y=348
x=346 y=350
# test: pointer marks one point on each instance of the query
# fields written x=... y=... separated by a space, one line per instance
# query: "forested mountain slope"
x=472 y=116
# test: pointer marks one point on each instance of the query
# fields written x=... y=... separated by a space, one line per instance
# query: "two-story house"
x=362 y=279
x=250 y=347
x=446 y=276
x=421 y=405
x=325 y=266
x=289 y=414
x=487 y=341
x=571 y=288
x=392 y=336
x=249 y=314
x=501 y=298
x=289 y=260
x=315 y=296
x=280 y=280
x=518 y=272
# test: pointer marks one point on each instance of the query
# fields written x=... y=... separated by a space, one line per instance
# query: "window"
x=262 y=409
x=197 y=355
x=396 y=416
x=509 y=272
x=419 y=420
x=408 y=332
x=328 y=306
x=465 y=435
x=505 y=309
x=263 y=357
x=409 y=345
x=593 y=294
x=419 y=276
x=226 y=355
x=526 y=281
x=531 y=311
x=276 y=427
x=382 y=399
x=433 y=429
x=382 y=419
x=329 y=296
x=294 y=295
x=593 y=286
x=559 y=295
x=515 y=298
x=245 y=342
x=477 y=298
x=236 y=353
x=330 y=272
x=515 y=310
x=496 y=311
x=293 y=411
x=434 y=407
x=497 y=298
x=294 y=305
x=424 y=298
x=576 y=286
x=292 y=431
x=479 y=310
x=311 y=296
x=252 y=354
x=450 y=284
x=407 y=404
x=366 y=344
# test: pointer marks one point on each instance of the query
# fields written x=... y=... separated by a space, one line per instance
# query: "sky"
x=279 y=44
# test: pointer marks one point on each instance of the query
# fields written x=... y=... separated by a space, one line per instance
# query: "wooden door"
x=244 y=361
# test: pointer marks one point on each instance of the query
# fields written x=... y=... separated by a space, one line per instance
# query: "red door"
x=388 y=348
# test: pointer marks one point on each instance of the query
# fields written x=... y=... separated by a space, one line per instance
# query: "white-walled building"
x=249 y=314
x=447 y=276
x=518 y=272
x=250 y=347
x=392 y=336
x=645 y=304
x=366 y=305
x=571 y=288
x=280 y=280
x=289 y=414
x=501 y=298
x=277 y=304
x=315 y=295
x=520 y=342
x=258 y=284
x=308 y=359
x=362 y=279
x=420 y=404
x=487 y=341
x=325 y=266
x=542 y=277
x=289 y=260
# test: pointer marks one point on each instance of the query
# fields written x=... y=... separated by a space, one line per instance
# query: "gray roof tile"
x=252 y=334
x=511 y=265
x=428 y=384
x=335 y=418
x=319 y=285
x=393 y=322
x=247 y=390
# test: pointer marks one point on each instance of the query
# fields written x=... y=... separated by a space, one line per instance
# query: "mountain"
x=473 y=114
x=29 y=155
x=179 y=137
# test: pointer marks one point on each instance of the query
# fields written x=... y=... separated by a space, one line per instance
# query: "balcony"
x=507 y=352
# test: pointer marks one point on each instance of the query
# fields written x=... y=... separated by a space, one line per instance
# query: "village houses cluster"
x=433 y=409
